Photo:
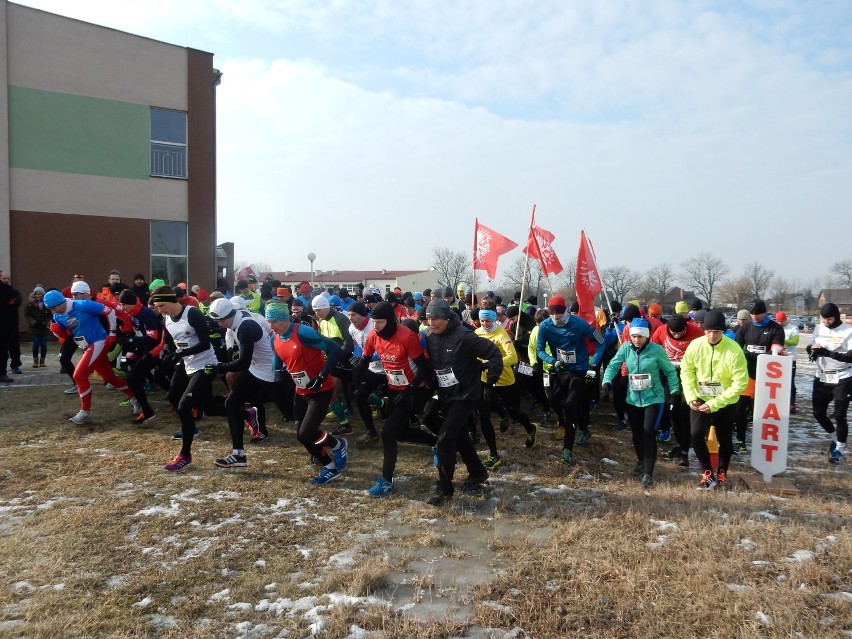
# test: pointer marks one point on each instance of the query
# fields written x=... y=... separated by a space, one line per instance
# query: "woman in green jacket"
x=646 y=396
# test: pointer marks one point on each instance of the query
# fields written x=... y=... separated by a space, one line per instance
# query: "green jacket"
x=724 y=363
x=650 y=360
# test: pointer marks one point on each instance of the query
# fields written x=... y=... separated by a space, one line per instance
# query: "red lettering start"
x=769 y=431
x=773 y=370
x=771 y=412
x=769 y=450
x=773 y=386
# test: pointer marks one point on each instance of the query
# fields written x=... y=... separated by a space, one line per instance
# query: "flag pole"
x=524 y=278
x=603 y=285
x=473 y=270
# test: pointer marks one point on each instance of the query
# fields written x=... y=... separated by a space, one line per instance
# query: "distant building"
x=107 y=154
x=840 y=296
x=675 y=295
x=384 y=280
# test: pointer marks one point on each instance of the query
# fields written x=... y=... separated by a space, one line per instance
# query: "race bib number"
x=446 y=377
x=525 y=369
x=81 y=341
x=182 y=344
x=831 y=377
x=639 y=382
x=300 y=379
x=546 y=378
x=710 y=389
x=397 y=378
x=566 y=357
x=751 y=348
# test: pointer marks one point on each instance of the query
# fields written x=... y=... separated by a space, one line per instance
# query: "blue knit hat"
x=639 y=326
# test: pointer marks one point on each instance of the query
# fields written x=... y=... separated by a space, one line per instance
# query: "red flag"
x=588 y=281
x=489 y=245
x=539 y=247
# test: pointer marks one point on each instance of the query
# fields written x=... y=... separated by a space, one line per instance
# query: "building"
x=384 y=280
x=107 y=154
x=840 y=296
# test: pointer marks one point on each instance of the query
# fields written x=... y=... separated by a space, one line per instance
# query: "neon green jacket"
x=724 y=363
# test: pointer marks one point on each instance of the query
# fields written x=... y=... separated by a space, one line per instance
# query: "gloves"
x=560 y=367
x=674 y=399
x=316 y=383
x=819 y=351
x=606 y=389
x=355 y=361
x=488 y=393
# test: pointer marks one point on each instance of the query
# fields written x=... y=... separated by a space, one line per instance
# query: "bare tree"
x=703 y=273
x=657 y=282
x=759 y=277
x=736 y=293
x=567 y=279
x=842 y=273
x=453 y=266
x=620 y=280
x=513 y=277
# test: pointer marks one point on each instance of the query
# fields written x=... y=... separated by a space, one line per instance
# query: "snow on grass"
x=801 y=556
x=144 y=603
x=171 y=510
x=746 y=544
x=664 y=526
x=606 y=461
x=344 y=559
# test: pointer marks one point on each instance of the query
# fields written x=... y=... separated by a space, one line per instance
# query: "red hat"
x=282 y=291
x=202 y=295
x=557 y=300
x=304 y=288
x=780 y=317
x=182 y=285
x=655 y=309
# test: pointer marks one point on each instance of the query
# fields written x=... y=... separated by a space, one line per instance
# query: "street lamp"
x=311 y=257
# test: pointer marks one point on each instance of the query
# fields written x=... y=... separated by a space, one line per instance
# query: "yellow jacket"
x=500 y=338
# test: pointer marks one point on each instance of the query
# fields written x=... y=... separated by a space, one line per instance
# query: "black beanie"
x=574 y=308
x=677 y=324
x=714 y=321
x=384 y=311
x=360 y=308
x=631 y=312
x=757 y=307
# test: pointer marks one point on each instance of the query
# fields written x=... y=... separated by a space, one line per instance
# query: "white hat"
x=81 y=287
x=239 y=302
x=320 y=301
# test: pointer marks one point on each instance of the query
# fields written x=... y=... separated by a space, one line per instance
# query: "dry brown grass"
x=96 y=540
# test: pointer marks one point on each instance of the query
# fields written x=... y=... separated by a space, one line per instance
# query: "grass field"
x=97 y=540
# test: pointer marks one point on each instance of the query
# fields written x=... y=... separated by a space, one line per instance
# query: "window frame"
x=176 y=145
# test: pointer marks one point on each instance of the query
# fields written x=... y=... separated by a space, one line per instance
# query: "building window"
x=168 y=143
x=169 y=252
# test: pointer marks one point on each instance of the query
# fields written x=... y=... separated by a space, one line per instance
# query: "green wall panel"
x=51 y=131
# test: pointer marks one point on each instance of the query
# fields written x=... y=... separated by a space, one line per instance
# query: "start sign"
x=771 y=414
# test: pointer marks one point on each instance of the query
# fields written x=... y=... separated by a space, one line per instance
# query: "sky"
x=371 y=131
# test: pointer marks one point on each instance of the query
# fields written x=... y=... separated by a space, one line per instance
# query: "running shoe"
x=251 y=421
x=529 y=442
x=583 y=435
x=325 y=476
x=261 y=437
x=179 y=435
x=232 y=461
x=567 y=457
x=647 y=481
x=83 y=417
x=741 y=447
x=135 y=406
x=559 y=433
x=71 y=390
x=621 y=425
x=493 y=462
x=439 y=499
x=141 y=418
x=708 y=482
x=504 y=424
x=178 y=463
x=835 y=455
x=674 y=453
x=339 y=454
x=345 y=428
x=475 y=483
x=639 y=468
x=722 y=478
x=366 y=439
x=664 y=435
x=381 y=488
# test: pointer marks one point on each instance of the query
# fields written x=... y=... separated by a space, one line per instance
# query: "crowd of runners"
x=436 y=368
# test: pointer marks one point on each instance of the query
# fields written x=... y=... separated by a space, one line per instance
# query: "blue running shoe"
x=381 y=488
x=339 y=454
x=835 y=455
x=664 y=435
x=179 y=435
x=325 y=476
x=621 y=425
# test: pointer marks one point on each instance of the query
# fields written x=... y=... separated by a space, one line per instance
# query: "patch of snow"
x=763 y=619
x=166 y=511
x=737 y=587
x=606 y=461
x=144 y=603
x=746 y=544
x=659 y=543
x=663 y=526
x=305 y=552
x=838 y=596
x=800 y=556
x=343 y=559
x=260 y=563
x=222 y=595
x=241 y=605
x=223 y=495
x=162 y=622
x=766 y=515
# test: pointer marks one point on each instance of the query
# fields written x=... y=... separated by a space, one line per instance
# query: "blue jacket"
x=568 y=338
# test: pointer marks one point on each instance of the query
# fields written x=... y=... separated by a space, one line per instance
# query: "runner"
x=406 y=368
x=714 y=373
x=455 y=353
x=831 y=349
x=646 y=396
x=309 y=359
x=81 y=318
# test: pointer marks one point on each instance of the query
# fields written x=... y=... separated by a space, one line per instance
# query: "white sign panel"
x=771 y=415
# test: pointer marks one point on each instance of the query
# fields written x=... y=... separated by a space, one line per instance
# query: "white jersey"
x=359 y=337
x=839 y=340
x=791 y=331
x=261 y=365
x=184 y=336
